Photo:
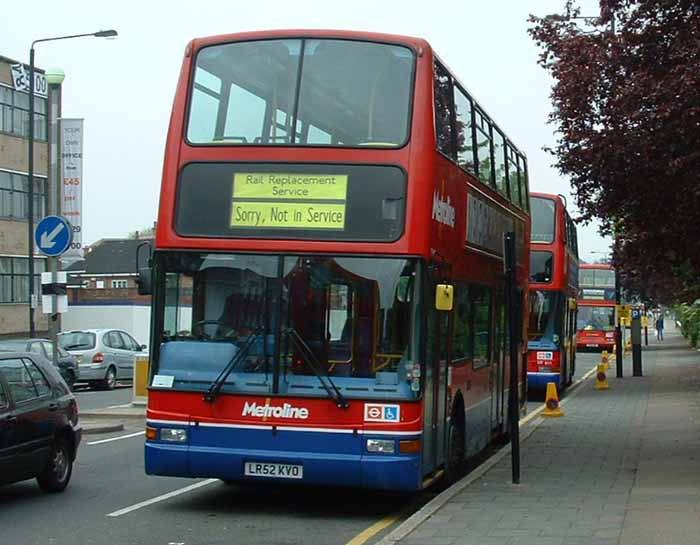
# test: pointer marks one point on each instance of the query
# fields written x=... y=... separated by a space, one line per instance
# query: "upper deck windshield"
x=288 y=319
x=302 y=92
x=596 y=278
x=542 y=214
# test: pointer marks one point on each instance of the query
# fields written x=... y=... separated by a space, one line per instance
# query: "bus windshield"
x=541 y=267
x=596 y=278
x=595 y=318
x=543 y=314
x=284 y=319
x=315 y=92
x=542 y=227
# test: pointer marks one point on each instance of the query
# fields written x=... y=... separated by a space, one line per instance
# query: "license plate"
x=592 y=345
x=276 y=471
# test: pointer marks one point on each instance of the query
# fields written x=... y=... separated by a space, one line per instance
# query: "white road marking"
x=163 y=497
x=117 y=438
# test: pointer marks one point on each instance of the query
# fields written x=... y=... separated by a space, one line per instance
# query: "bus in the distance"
x=596 y=307
x=553 y=290
x=328 y=286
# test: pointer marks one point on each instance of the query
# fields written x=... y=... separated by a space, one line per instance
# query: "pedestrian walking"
x=660 y=328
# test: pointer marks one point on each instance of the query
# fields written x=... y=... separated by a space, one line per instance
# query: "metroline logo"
x=285 y=411
x=443 y=211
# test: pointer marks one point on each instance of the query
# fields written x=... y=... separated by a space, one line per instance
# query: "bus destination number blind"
x=267 y=200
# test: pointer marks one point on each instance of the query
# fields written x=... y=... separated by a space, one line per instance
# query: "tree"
x=626 y=105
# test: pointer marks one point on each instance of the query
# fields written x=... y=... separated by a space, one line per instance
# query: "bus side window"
x=481 y=297
x=463 y=328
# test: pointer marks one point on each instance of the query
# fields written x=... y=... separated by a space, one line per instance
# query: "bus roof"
x=418 y=44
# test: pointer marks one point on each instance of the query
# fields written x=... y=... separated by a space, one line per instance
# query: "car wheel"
x=70 y=380
x=58 y=470
x=454 y=465
x=110 y=380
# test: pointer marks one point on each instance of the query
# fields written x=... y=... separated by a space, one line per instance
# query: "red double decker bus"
x=554 y=270
x=328 y=287
x=596 y=312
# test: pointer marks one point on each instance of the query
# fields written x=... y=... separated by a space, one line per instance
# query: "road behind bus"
x=109 y=480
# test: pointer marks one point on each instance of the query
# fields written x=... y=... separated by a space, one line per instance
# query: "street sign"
x=53 y=235
x=624 y=311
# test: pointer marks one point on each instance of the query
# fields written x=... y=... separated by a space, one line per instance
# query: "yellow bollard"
x=605 y=360
x=601 y=380
x=551 y=402
x=628 y=346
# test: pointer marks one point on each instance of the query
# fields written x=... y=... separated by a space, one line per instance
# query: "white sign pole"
x=72 y=184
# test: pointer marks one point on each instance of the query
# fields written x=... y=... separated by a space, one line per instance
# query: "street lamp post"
x=30 y=162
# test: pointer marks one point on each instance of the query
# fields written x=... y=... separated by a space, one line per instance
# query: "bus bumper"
x=227 y=461
x=536 y=381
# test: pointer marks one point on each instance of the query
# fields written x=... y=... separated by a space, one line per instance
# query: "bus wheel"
x=454 y=465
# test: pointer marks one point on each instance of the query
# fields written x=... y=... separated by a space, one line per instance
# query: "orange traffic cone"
x=551 y=402
x=601 y=380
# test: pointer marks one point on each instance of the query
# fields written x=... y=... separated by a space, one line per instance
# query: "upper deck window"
x=302 y=92
x=542 y=220
x=596 y=278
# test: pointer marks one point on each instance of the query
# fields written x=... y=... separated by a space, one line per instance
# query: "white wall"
x=133 y=319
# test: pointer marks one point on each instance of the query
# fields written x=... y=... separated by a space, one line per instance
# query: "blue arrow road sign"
x=53 y=235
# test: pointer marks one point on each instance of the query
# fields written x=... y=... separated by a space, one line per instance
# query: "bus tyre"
x=454 y=464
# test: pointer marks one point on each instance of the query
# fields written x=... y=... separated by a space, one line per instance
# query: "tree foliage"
x=626 y=106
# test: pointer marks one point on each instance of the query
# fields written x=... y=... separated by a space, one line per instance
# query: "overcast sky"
x=124 y=87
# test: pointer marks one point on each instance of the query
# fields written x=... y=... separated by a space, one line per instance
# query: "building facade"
x=14 y=193
x=107 y=275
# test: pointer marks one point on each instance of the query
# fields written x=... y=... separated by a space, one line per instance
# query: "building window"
x=99 y=284
x=120 y=284
x=14 y=114
x=14 y=196
x=14 y=279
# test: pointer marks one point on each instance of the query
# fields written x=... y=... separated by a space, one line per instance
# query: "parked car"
x=104 y=356
x=67 y=364
x=39 y=429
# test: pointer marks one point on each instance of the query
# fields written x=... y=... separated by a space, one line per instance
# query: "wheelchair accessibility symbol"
x=380 y=412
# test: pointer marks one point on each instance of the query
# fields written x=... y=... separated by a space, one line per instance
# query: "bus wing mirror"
x=444 y=297
x=144 y=282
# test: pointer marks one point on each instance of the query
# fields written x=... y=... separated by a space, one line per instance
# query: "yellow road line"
x=373 y=530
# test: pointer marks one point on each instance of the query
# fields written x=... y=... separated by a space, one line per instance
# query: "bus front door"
x=435 y=397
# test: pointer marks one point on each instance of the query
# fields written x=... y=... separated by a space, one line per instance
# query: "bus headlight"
x=384 y=446
x=173 y=435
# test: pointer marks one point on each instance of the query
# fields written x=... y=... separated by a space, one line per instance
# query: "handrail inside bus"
x=333 y=391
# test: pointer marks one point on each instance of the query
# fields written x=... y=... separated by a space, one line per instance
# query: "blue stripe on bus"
x=327 y=458
x=540 y=380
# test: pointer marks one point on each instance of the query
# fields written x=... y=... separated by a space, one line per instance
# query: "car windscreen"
x=77 y=340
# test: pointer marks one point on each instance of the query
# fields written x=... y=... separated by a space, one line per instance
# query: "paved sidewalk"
x=621 y=468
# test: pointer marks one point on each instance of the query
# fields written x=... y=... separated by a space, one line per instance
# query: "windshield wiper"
x=312 y=361
x=216 y=386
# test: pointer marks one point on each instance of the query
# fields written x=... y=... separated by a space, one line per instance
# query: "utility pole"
x=54 y=78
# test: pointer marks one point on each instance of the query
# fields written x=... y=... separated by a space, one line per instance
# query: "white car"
x=104 y=356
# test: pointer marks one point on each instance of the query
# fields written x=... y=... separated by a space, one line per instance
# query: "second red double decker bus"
x=554 y=267
x=328 y=287
x=596 y=313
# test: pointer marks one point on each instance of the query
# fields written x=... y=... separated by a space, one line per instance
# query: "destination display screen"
x=289 y=200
